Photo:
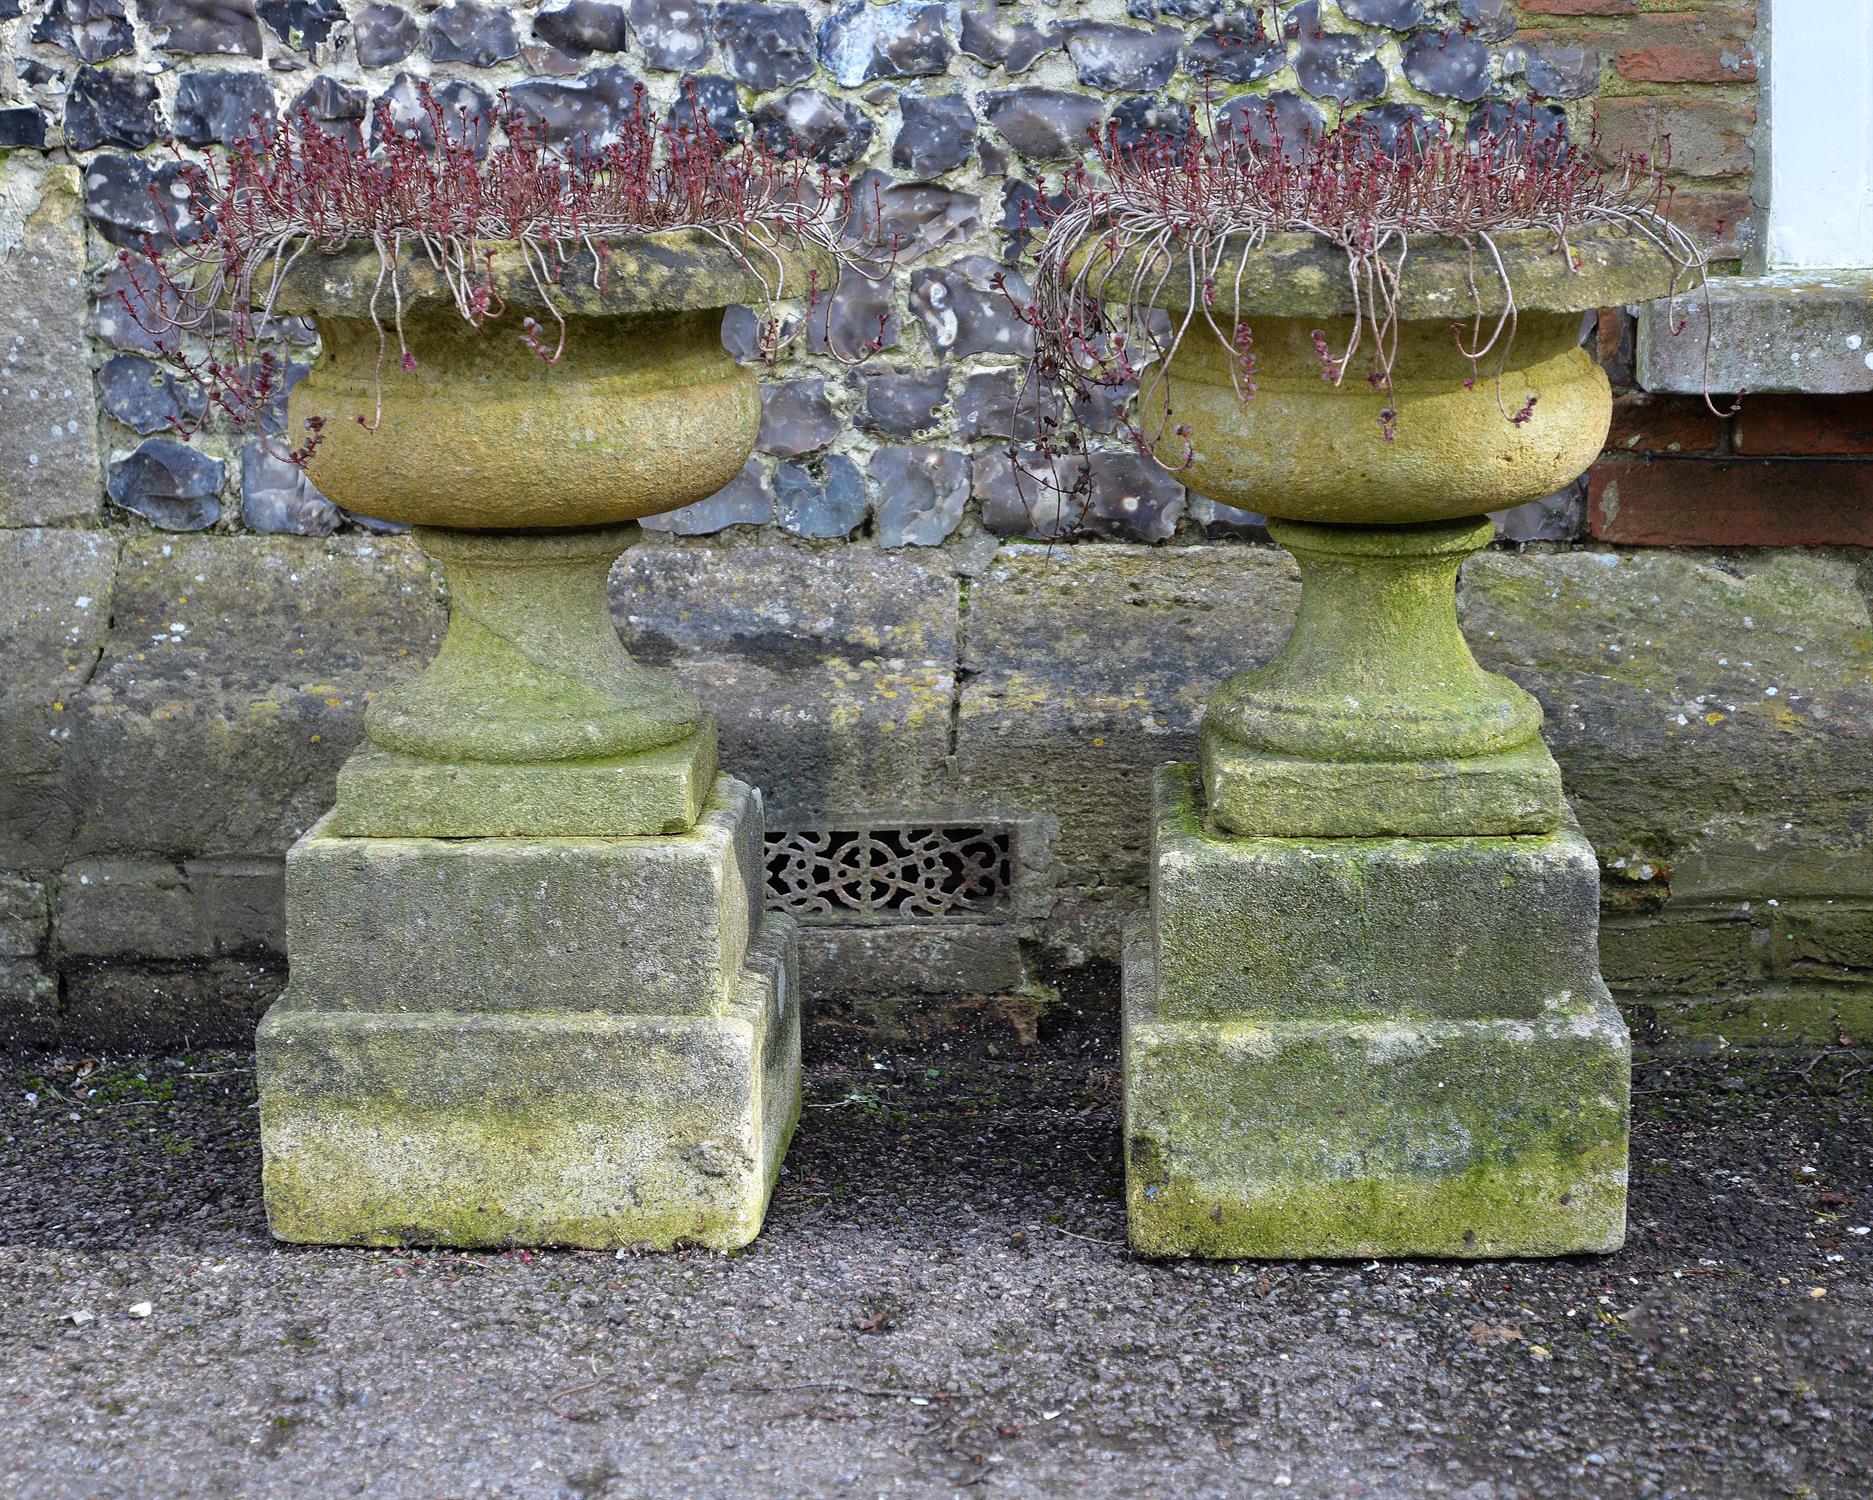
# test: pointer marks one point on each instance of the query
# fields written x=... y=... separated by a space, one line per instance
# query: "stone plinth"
x=1357 y=1047
x=587 y=1041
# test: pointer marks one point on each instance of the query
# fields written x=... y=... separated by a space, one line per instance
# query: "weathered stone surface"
x=128 y=198
x=910 y=961
x=1448 y=63
x=1043 y=124
x=1691 y=703
x=1267 y=119
x=902 y=405
x=1334 y=65
x=1359 y=929
x=129 y=908
x=829 y=670
x=169 y=484
x=650 y=792
x=1361 y=1138
x=176 y=711
x=535 y=1128
x=1560 y=517
x=1803 y=332
x=860 y=316
x=585 y=110
x=88 y=29
x=53 y=616
x=813 y=124
x=1236 y=49
x=29 y=1003
x=996 y=34
x=385 y=34
x=765 y=46
x=467 y=32
x=938 y=134
x=1394 y=15
x=1138 y=640
x=710 y=98
x=746 y=500
x=863 y=41
x=589 y=26
x=1024 y=494
x=1004 y=404
x=644 y=926
x=147 y=397
x=48 y=442
x=22 y=126
x=673 y=33
x=1394 y=126
x=796 y=417
x=306 y=25
x=918 y=494
x=226 y=107
x=204 y=26
x=25 y=920
x=1108 y=56
x=466 y=111
x=1556 y=72
x=1493 y=20
x=276 y=496
x=912 y=217
x=1137 y=122
x=107 y=107
x=964 y=311
x=825 y=499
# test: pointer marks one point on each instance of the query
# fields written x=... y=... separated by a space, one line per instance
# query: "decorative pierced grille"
x=880 y=874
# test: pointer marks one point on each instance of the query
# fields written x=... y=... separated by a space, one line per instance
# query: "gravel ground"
x=941 y=1305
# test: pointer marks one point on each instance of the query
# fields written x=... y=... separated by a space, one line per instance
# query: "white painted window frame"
x=1820 y=135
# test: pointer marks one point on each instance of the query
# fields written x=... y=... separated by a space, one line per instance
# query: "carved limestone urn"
x=525 y=479
x=1374 y=718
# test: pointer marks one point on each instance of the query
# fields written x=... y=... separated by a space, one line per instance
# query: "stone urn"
x=525 y=479
x=1364 y=1015
x=1374 y=718
x=533 y=994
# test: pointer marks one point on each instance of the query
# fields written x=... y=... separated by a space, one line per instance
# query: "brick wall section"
x=1681 y=68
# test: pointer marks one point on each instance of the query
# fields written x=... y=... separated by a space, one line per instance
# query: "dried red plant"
x=442 y=191
x=1191 y=212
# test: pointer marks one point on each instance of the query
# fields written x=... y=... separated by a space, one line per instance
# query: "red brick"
x=1613 y=335
x=1722 y=222
x=1712 y=47
x=1708 y=137
x=1817 y=426
x=1578 y=7
x=1664 y=424
x=1731 y=502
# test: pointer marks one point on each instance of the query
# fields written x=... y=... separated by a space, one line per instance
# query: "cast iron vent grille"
x=886 y=874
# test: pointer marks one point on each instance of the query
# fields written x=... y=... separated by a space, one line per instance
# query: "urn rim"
x=1300 y=275
x=673 y=271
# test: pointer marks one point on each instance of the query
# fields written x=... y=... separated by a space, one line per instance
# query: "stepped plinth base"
x=548 y=1041
x=385 y=795
x=1260 y=794
x=1365 y=1047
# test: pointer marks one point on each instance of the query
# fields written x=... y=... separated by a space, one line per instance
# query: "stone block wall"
x=189 y=633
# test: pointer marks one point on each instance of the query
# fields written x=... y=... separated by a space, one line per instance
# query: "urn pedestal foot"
x=1374 y=718
x=533 y=718
x=531 y=1041
x=1370 y=1046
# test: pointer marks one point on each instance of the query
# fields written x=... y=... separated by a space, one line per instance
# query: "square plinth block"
x=1350 y=929
x=483 y=1129
x=648 y=925
x=1330 y=1139
x=382 y=795
x=1260 y=795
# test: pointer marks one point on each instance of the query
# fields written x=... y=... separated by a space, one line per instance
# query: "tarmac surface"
x=941 y=1305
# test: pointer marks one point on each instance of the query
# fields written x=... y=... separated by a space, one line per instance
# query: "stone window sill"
x=1809 y=332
